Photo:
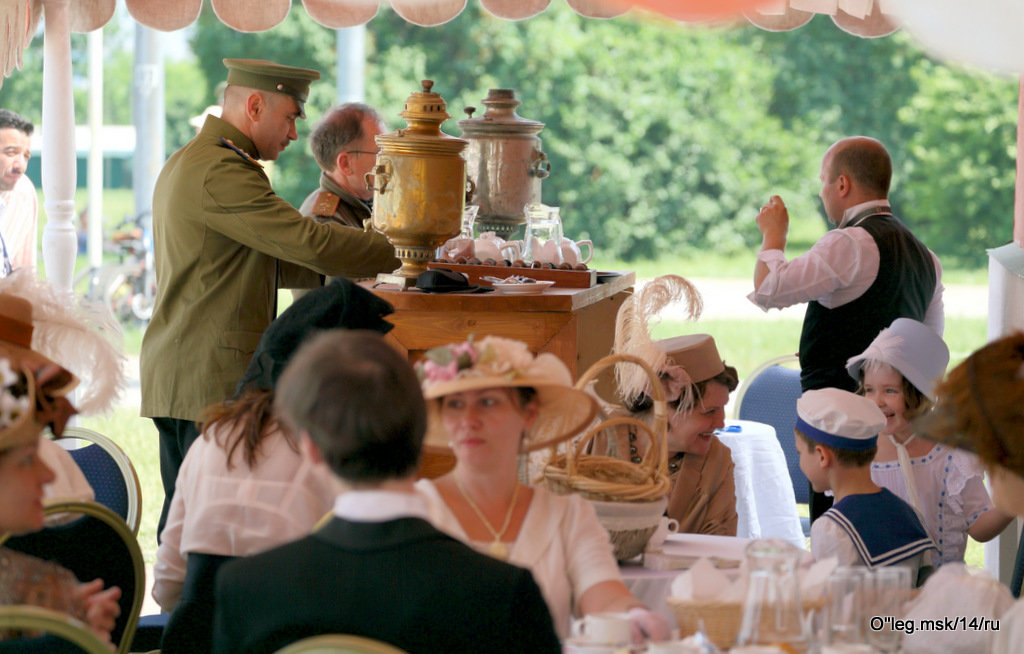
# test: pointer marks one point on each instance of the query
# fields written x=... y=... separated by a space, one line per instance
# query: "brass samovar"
x=419 y=185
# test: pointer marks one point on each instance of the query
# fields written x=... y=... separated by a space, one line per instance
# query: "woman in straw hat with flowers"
x=489 y=402
x=33 y=395
x=697 y=384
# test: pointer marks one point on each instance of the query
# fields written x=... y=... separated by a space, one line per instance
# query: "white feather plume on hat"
x=81 y=336
x=632 y=329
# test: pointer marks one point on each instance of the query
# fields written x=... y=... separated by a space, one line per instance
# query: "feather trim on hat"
x=82 y=336
x=632 y=333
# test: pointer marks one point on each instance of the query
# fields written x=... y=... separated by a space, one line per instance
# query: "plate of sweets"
x=519 y=285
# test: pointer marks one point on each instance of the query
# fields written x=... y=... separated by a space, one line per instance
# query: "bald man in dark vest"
x=857 y=278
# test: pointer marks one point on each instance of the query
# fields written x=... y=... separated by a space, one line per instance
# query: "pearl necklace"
x=497 y=549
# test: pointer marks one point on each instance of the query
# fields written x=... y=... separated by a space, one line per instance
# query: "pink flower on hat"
x=444 y=363
x=436 y=372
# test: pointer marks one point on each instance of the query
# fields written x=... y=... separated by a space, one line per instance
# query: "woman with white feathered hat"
x=38 y=322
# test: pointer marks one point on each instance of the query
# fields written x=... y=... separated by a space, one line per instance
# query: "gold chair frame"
x=339 y=644
x=118 y=525
x=131 y=477
x=61 y=625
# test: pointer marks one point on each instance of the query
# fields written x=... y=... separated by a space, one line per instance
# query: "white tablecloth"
x=765 y=501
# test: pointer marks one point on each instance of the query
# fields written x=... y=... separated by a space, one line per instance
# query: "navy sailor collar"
x=884 y=529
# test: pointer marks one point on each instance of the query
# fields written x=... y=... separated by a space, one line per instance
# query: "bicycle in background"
x=126 y=286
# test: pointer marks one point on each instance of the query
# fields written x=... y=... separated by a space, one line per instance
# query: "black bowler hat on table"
x=442 y=280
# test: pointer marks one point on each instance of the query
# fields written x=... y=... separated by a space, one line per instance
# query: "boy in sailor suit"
x=835 y=433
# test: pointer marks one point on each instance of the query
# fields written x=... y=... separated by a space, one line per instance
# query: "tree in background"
x=958 y=191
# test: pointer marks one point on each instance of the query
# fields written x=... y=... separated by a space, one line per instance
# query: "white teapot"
x=455 y=248
x=489 y=246
x=571 y=251
x=513 y=250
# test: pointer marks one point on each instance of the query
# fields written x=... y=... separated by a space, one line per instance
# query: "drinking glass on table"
x=845 y=608
x=468 y=220
x=886 y=592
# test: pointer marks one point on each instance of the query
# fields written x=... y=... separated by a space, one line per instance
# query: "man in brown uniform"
x=224 y=242
x=344 y=147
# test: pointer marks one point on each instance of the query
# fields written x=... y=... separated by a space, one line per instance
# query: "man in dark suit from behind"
x=378 y=569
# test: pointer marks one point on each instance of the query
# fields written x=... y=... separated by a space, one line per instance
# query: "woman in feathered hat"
x=697 y=384
x=33 y=396
x=490 y=401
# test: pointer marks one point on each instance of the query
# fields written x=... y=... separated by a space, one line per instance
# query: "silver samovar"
x=505 y=161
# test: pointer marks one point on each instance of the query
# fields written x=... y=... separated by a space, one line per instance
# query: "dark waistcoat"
x=903 y=289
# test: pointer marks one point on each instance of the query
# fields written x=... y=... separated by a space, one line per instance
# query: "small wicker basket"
x=722 y=620
x=606 y=479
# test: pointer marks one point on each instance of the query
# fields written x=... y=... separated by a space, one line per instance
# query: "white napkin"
x=813 y=579
x=704 y=582
x=955 y=593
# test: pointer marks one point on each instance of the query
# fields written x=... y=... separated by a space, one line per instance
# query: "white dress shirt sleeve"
x=829 y=539
x=837 y=269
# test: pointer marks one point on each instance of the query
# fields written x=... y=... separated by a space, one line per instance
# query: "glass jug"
x=772 y=612
x=543 y=240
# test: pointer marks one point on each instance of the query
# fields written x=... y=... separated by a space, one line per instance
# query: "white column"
x=1006 y=314
x=351 y=64
x=58 y=158
x=95 y=238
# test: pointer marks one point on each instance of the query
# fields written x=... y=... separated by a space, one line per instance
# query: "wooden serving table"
x=575 y=324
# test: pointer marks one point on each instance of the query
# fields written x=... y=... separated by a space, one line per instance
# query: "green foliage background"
x=663 y=138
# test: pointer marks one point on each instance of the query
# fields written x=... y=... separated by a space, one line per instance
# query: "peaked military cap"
x=276 y=78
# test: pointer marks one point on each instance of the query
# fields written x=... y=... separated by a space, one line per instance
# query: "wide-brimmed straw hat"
x=33 y=388
x=495 y=362
x=980 y=405
x=913 y=348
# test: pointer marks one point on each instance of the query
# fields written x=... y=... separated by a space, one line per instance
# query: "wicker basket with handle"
x=606 y=479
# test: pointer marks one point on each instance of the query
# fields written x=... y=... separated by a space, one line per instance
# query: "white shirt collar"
x=852 y=212
x=379 y=506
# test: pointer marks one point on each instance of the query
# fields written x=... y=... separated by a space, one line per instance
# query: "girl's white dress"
x=951 y=486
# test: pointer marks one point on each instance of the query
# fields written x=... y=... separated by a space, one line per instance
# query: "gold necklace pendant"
x=498 y=550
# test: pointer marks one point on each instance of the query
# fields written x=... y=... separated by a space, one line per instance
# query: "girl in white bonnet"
x=944 y=485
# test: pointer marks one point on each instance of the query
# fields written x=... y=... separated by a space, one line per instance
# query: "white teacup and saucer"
x=600 y=633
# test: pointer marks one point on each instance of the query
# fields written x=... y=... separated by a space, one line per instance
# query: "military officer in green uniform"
x=224 y=242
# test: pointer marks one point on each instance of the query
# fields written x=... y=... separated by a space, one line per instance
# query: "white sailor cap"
x=839 y=419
